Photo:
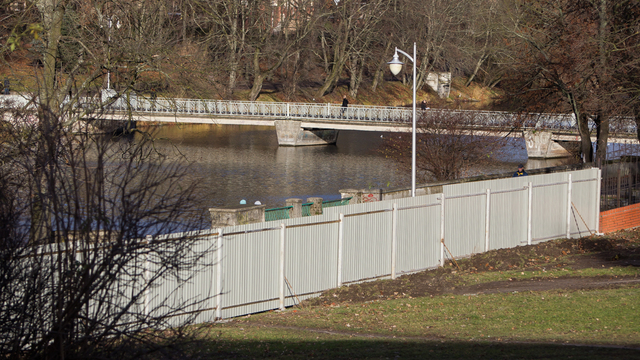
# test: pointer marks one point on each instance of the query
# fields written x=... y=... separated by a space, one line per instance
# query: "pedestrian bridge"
x=299 y=124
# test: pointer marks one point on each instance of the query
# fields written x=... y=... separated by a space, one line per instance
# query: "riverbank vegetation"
x=448 y=145
x=83 y=224
x=572 y=56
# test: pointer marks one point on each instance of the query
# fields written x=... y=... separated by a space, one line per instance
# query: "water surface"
x=245 y=162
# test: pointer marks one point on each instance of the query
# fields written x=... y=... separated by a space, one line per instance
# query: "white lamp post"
x=395 y=66
x=109 y=44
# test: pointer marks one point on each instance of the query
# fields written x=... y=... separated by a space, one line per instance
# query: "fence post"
x=486 y=221
x=442 y=198
x=619 y=184
x=598 y=199
x=394 y=240
x=288 y=112
x=219 y=275
x=569 y=185
x=529 y=213
x=282 y=239
x=340 y=239
x=147 y=273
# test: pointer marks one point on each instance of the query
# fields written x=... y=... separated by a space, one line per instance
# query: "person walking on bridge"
x=345 y=103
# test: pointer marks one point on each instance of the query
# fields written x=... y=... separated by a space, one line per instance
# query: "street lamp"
x=395 y=66
x=109 y=44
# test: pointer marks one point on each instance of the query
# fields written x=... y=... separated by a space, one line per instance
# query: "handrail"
x=279 y=213
x=306 y=209
x=339 y=202
x=332 y=112
x=335 y=112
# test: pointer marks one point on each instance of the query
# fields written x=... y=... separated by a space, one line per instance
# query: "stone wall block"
x=316 y=207
x=236 y=215
x=296 y=211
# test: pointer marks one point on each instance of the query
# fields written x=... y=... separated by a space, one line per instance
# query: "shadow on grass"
x=403 y=349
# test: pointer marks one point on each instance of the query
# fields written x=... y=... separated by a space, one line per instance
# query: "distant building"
x=440 y=83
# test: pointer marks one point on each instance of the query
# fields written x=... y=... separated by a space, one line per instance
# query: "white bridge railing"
x=359 y=113
x=329 y=112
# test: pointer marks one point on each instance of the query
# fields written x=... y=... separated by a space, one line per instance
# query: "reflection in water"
x=245 y=162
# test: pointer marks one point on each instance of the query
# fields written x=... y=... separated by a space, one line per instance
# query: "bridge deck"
x=329 y=116
x=345 y=124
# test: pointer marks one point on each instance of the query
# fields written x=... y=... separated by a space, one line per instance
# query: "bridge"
x=300 y=124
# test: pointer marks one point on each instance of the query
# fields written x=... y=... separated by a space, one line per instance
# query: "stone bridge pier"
x=291 y=133
x=541 y=145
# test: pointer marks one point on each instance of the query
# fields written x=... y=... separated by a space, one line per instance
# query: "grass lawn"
x=503 y=326
x=441 y=314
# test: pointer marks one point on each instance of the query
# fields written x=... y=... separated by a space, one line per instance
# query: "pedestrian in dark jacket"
x=520 y=171
x=345 y=103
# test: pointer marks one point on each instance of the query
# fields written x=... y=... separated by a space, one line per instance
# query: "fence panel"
x=418 y=233
x=508 y=218
x=251 y=267
x=549 y=206
x=175 y=290
x=465 y=225
x=366 y=240
x=198 y=285
x=508 y=209
x=366 y=247
x=311 y=253
x=621 y=180
x=585 y=210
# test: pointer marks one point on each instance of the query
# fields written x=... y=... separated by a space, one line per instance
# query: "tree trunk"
x=602 y=137
x=586 y=148
x=53 y=14
x=330 y=82
x=234 y=50
x=48 y=114
x=379 y=74
x=582 y=121
x=325 y=57
x=602 y=117
x=258 y=77
x=476 y=69
x=482 y=59
x=357 y=68
x=340 y=56
x=637 y=119
x=233 y=75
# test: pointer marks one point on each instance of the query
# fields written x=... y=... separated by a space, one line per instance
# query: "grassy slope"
x=524 y=324
x=187 y=78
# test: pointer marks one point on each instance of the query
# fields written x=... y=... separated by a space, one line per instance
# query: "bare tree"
x=81 y=290
x=346 y=37
x=571 y=54
x=83 y=214
x=434 y=26
x=448 y=146
x=480 y=43
x=225 y=25
x=276 y=37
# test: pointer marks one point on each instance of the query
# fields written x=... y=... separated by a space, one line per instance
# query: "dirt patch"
x=615 y=250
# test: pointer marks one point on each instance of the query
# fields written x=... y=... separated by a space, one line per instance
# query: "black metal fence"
x=620 y=180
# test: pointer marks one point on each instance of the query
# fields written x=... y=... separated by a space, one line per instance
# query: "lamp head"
x=395 y=65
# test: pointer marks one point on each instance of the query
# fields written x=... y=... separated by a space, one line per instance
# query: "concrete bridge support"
x=540 y=145
x=291 y=133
